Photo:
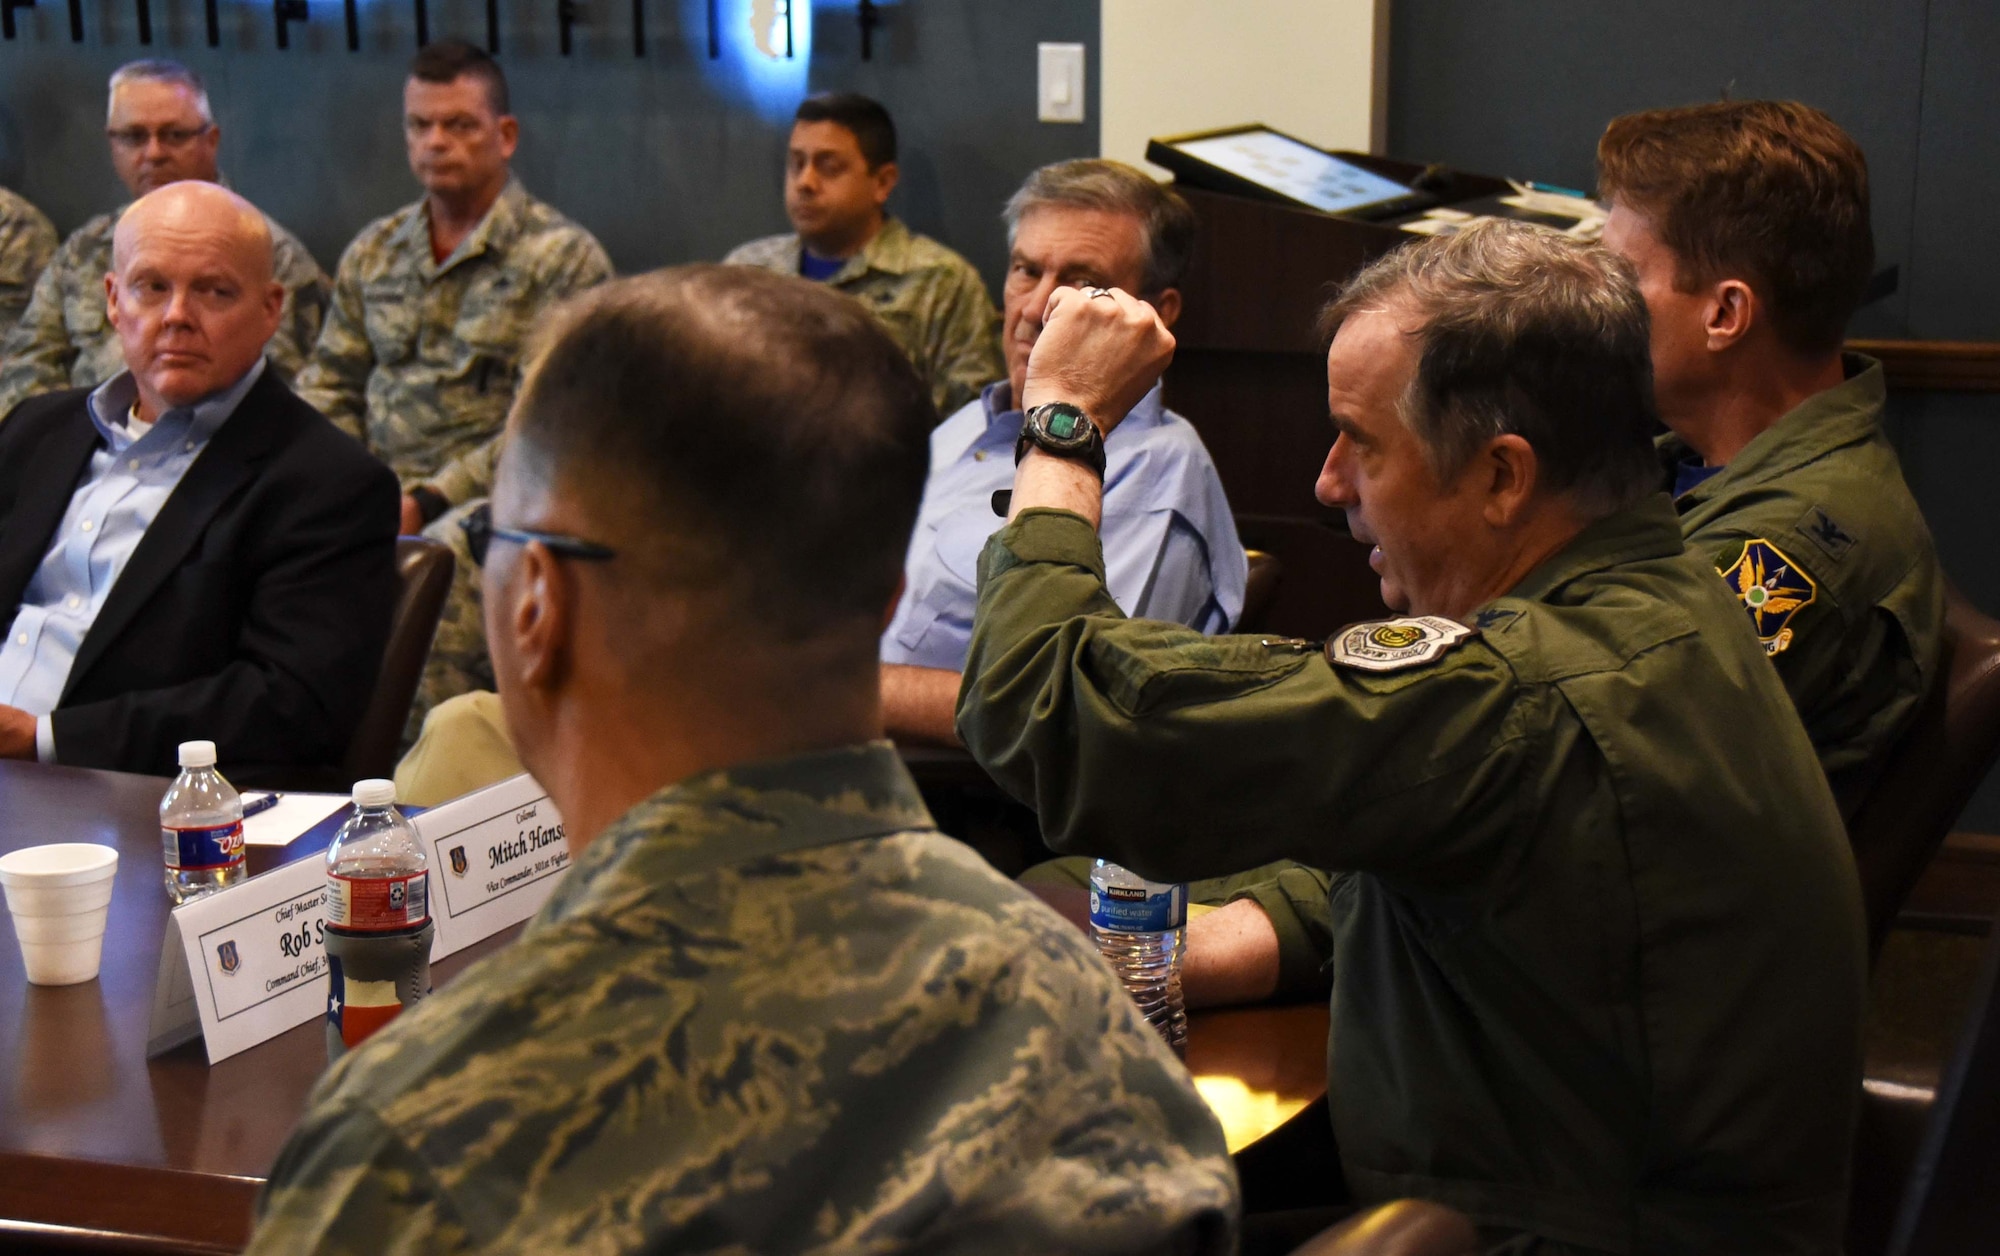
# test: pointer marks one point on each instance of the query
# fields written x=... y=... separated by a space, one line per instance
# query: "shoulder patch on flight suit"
x=1390 y=645
x=1819 y=527
x=1772 y=588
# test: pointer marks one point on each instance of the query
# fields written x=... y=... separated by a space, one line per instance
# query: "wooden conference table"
x=104 y=1150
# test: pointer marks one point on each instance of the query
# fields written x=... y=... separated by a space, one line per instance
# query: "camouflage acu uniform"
x=420 y=358
x=770 y=1010
x=64 y=339
x=930 y=299
x=27 y=241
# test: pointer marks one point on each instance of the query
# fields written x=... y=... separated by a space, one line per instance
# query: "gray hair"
x=1165 y=220
x=1524 y=331
x=158 y=70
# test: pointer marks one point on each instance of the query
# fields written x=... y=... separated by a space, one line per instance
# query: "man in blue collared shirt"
x=1170 y=546
x=189 y=551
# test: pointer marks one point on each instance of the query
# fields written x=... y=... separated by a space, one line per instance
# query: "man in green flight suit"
x=771 y=1008
x=1596 y=939
x=1747 y=222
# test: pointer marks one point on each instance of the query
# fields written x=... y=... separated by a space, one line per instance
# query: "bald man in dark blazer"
x=189 y=550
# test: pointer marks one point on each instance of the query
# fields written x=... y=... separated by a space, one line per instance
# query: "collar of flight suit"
x=495 y=231
x=887 y=251
x=1649 y=530
x=1848 y=413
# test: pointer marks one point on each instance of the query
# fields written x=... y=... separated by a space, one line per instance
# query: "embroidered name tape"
x=1772 y=588
x=1388 y=645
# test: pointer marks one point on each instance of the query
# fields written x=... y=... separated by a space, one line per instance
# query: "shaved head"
x=194 y=208
x=191 y=293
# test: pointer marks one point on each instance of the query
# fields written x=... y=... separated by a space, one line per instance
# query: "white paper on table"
x=495 y=856
x=294 y=814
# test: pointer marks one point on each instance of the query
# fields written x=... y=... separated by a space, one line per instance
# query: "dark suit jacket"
x=255 y=610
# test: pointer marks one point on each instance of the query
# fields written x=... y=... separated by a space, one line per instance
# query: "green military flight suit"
x=1597 y=950
x=929 y=299
x=27 y=241
x=65 y=339
x=1849 y=596
x=770 y=1010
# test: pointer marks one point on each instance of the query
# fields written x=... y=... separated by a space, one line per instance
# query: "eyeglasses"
x=480 y=533
x=169 y=136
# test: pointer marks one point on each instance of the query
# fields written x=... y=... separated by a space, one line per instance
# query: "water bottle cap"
x=197 y=754
x=374 y=793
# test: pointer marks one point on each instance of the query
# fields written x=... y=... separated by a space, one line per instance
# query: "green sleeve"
x=345 y=1184
x=36 y=354
x=1182 y=756
x=335 y=380
x=1296 y=900
x=27 y=242
x=965 y=343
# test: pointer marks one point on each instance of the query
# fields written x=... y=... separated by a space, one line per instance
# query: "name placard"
x=496 y=854
x=245 y=964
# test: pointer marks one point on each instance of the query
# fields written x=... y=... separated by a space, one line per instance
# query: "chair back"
x=1259 y=587
x=423 y=577
x=1932 y=773
x=1949 y=1205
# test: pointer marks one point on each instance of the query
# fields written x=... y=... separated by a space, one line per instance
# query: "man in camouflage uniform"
x=1748 y=224
x=1596 y=937
x=27 y=241
x=161 y=130
x=771 y=1009
x=422 y=348
x=840 y=167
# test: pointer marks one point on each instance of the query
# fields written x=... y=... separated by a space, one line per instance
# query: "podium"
x=1250 y=375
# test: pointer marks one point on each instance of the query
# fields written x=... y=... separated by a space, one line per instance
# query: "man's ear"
x=1731 y=312
x=111 y=299
x=510 y=135
x=1168 y=306
x=542 y=617
x=886 y=177
x=1512 y=472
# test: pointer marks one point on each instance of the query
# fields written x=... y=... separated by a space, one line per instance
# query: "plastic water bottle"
x=378 y=919
x=201 y=827
x=1140 y=927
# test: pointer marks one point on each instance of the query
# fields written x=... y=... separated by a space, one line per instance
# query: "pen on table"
x=256 y=805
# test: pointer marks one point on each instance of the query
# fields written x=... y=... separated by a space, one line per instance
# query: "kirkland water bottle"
x=1140 y=927
x=378 y=919
x=201 y=827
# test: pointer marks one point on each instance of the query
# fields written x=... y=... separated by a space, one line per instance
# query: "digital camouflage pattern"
x=64 y=339
x=420 y=358
x=931 y=301
x=770 y=1010
x=1596 y=943
x=458 y=662
x=1842 y=577
x=27 y=241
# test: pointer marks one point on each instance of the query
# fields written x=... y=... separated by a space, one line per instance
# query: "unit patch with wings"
x=1772 y=588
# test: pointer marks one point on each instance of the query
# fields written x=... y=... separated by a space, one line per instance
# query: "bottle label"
x=1151 y=908
x=378 y=904
x=205 y=849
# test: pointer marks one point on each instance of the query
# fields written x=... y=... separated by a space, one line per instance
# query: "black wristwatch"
x=1064 y=430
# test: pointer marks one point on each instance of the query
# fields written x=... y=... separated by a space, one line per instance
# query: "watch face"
x=1063 y=425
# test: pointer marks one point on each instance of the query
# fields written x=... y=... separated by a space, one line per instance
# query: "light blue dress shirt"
x=1170 y=545
x=129 y=480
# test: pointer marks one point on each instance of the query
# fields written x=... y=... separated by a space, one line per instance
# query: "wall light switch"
x=1060 y=82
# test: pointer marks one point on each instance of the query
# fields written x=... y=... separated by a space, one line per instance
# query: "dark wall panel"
x=1523 y=88
x=651 y=154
